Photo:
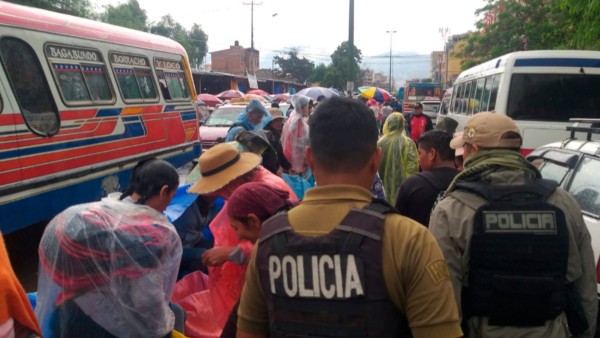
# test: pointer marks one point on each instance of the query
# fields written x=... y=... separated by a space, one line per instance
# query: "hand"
x=217 y=255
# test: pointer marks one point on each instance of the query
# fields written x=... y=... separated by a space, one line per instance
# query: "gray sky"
x=317 y=27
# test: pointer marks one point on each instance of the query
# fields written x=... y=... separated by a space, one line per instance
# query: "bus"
x=81 y=102
x=415 y=92
x=540 y=90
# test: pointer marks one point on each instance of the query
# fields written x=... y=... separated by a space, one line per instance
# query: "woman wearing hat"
x=222 y=170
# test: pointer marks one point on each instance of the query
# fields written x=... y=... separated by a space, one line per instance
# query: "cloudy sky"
x=317 y=27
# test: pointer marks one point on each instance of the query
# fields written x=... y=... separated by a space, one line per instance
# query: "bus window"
x=476 y=98
x=30 y=87
x=457 y=98
x=485 y=97
x=80 y=74
x=494 y=92
x=466 y=98
x=172 y=80
x=553 y=97
x=134 y=77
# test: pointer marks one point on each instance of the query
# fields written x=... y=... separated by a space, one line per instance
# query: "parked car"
x=574 y=164
x=214 y=129
x=431 y=107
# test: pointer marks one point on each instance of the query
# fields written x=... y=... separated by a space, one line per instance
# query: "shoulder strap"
x=381 y=206
x=540 y=190
x=432 y=179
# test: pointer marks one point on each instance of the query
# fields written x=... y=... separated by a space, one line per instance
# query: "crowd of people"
x=409 y=230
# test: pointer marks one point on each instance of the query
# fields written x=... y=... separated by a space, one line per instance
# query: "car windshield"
x=223 y=117
x=431 y=107
x=584 y=187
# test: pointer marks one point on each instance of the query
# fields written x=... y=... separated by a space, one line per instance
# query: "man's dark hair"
x=149 y=176
x=438 y=140
x=343 y=134
x=274 y=105
x=321 y=98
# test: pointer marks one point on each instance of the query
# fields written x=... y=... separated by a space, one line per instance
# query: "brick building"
x=235 y=60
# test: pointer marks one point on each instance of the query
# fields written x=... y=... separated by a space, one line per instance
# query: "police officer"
x=518 y=251
x=339 y=264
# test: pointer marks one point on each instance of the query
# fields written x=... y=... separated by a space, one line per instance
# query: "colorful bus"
x=81 y=102
x=540 y=90
x=417 y=92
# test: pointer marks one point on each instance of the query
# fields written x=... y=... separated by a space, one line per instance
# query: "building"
x=371 y=78
x=235 y=60
x=455 y=44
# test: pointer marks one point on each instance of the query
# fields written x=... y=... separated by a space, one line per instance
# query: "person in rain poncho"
x=400 y=156
x=254 y=117
x=108 y=268
x=295 y=133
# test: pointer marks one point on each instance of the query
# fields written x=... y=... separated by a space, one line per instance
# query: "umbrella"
x=256 y=96
x=378 y=94
x=315 y=92
x=257 y=92
x=209 y=99
x=283 y=97
x=230 y=94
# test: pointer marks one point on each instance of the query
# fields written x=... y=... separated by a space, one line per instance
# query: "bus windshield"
x=418 y=92
x=553 y=97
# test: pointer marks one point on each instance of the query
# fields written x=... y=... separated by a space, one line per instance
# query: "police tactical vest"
x=331 y=285
x=519 y=253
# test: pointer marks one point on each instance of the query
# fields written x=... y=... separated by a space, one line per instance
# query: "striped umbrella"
x=378 y=94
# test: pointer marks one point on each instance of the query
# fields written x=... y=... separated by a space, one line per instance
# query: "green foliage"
x=194 y=41
x=317 y=75
x=343 y=68
x=81 y=8
x=293 y=66
x=128 y=14
x=520 y=25
x=583 y=18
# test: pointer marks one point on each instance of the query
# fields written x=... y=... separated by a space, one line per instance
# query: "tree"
x=293 y=66
x=583 y=17
x=194 y=41
x=128 y=14
x=317 y=75
x=342 y=68
x=518 y=25
x=81 y=8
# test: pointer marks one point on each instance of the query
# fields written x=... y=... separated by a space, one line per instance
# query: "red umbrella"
x=283 y=97
x=209 y=99
x=257 y=92
x=230 y=94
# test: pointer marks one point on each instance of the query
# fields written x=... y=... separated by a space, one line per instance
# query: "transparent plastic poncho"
x=400 y=156
x=107 y=266
x=294 y=138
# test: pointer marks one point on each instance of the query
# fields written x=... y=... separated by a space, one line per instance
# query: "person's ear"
x=376 y=159
x=253 y=222
x=165 y=192
x=309 y=158
x=432 y=154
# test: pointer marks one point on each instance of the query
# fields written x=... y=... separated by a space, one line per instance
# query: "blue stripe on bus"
x=169 y=108
x=131 y=130
x=190 y=115
x=109 y=112
x=130 y=118
x=558 y=62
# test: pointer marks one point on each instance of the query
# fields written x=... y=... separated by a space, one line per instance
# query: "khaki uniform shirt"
x=414 y=270
x=451 y=223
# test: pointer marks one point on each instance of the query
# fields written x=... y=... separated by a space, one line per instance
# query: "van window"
x=30 y=87
x=171 y=79
x=485 y=97
x=466 y=97
x=476 y=98
x=456 y=98
x=494 y=92
x=584 y=186
x=80 y=74
x=553 y=97
x=134 y=76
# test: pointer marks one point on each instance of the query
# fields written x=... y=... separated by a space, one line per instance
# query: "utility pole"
x=391 y=34
x=445 y=32
x=350 y=83
x=252 y=4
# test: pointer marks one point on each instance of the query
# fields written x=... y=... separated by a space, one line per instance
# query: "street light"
x=391 y=34
x=445 y=32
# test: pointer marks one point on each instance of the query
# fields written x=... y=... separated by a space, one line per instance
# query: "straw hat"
x=220 y=165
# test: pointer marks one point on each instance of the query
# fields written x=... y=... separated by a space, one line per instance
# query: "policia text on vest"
x=335 y=276
x=529 y=221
